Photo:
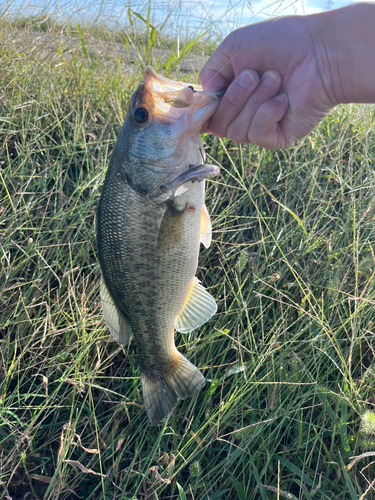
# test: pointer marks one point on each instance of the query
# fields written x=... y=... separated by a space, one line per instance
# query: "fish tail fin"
x=161 y=392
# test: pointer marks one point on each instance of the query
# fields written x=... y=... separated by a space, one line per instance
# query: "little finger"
x=265 y=129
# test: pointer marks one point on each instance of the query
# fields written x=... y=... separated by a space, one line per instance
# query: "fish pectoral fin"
x=171 y=228
x=205 y=228
x=118 y=324
x=160 y=394
x=198 y=308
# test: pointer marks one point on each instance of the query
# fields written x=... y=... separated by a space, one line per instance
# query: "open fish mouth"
x=178 y=94
x=165 y=86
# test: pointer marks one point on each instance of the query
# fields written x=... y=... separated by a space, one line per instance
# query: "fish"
x=150 y=221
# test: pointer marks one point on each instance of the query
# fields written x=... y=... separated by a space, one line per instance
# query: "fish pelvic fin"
x=117 y=323
x=161 y=392
x=198 y=308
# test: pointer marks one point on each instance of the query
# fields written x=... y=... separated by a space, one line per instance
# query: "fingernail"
x=270 y=78
x=246 y=79
x=282 y=98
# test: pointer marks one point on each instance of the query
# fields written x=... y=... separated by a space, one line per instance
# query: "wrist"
x=345 y=45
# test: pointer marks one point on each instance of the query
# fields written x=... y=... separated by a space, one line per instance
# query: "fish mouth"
x=164 y=85
x=169 y=101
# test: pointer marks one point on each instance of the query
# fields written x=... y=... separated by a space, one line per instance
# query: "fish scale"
x=148 y=285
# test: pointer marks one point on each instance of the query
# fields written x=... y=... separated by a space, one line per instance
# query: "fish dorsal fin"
x=118 y=324
x=205 y=229
x=198 y=308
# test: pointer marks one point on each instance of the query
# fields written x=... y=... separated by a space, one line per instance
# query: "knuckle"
x=268 y=112
x=255 y=102
x=235 y=133
x=264 y=112
x=261 y=142
x=257 y=135
x=252 y=139
x=231 y=101
x=216 y=130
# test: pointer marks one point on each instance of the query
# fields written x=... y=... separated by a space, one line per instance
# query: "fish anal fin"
x=205 y=227
x=117 y=323
x=198 y=308
x=161 y=393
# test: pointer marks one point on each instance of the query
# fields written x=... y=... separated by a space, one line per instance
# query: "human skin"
x=284 y=75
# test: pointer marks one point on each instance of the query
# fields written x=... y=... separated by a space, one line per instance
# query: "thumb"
x=217 y=73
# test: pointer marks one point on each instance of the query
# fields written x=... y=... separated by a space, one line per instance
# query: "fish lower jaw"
x=197 y=118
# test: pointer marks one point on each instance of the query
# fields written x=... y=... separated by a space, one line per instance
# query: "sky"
x=188 y=15
x=247 y=12
x=262 y=9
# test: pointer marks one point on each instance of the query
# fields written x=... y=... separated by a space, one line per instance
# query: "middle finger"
x=234 y=99
x=268 y=87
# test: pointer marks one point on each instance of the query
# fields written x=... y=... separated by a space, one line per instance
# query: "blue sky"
x=262 y=9
x=223 y=15
x=249 y=12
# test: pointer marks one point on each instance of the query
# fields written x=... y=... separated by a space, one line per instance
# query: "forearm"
x=345 y=44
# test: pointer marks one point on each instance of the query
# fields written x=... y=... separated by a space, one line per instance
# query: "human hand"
x=293 y=93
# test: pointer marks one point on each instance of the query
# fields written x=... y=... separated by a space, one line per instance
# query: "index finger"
x=217 y=73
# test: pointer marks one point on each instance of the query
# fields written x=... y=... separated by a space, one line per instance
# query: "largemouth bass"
x=151 y=219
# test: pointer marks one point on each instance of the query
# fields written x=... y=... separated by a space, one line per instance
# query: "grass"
x=288 y=359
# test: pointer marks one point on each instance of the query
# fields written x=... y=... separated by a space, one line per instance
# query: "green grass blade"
x=344 y=431
x=173 y=60
x=240 y=489
x=287 y=357
x=181 y=491
x=83 y=44
x=152 y=37
x=293 y=468
x=144 y=20
x=261 y=488
x=348 y=481
x=217 y=495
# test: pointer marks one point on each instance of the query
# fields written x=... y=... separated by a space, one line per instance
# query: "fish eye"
x=140 y=116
